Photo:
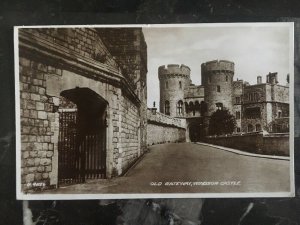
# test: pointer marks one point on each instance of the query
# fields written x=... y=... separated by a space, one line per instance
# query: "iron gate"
x=81 y=156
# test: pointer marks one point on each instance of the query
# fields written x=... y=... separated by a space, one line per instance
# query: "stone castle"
x=258 y=107
x=83 y=104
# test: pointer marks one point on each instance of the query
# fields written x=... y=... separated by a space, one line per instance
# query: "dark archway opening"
x=82 y=137
x=196 y=130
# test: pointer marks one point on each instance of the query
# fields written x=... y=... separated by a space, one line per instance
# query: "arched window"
x=179 y=107
x=250 y=128
x=226 y=78
x=258 y=127
x=167 y=85
x=186 y=105
x=167 y=107
x=197 y=107
x=180 y=85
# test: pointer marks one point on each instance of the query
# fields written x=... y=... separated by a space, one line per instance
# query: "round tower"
x=217 y=78
x=173 y=80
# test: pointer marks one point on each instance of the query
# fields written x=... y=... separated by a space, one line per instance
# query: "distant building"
x=259 y=107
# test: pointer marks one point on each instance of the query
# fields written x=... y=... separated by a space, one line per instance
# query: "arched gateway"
x=82 y=137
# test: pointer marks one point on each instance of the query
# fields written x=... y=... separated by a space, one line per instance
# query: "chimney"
x=272 y=78
x=153 y=109
x=259 y=80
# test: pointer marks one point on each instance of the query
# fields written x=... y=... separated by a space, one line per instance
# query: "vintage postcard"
x=155 y=111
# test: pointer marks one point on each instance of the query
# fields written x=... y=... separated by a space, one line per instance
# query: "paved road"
x=187 y=162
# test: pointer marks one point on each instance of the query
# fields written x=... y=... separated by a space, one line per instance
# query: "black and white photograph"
x=155 y=111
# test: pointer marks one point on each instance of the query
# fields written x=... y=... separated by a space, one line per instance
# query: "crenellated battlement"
x=174 y=69
x=217 y=65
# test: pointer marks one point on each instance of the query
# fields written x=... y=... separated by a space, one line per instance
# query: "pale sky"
x=255 y=50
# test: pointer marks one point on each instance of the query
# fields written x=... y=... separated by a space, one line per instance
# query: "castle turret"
x=272 y=78
x=173 y=80
x=217 y=78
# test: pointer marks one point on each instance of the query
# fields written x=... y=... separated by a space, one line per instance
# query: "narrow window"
x=179 y=107
x=167 y=107
x=238 y=129
x=279 y=114
x=238 y=115
x=226 y=78
x=257 y=127
x=218 y=88
x=167 y=85
x=180 y=85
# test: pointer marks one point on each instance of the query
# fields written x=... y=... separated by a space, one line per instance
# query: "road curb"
x=137 y=161
x=239 y=152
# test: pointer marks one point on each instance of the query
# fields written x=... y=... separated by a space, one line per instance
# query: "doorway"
x=82 y=137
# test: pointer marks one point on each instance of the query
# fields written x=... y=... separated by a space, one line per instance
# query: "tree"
x=221 y=122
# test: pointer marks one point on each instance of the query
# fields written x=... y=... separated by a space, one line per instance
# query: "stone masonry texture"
x=164 y=129
x=58 y=59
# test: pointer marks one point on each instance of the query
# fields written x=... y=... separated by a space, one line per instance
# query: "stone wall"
x=52 y=61
x=281 y=93
x=129 y=49
x=38 y=123
x=270 y=144
x=164 y=129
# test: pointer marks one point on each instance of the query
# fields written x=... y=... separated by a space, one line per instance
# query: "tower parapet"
x=217 y=65
x=174 y=70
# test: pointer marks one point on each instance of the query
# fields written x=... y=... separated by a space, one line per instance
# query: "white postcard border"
x=41 y=196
